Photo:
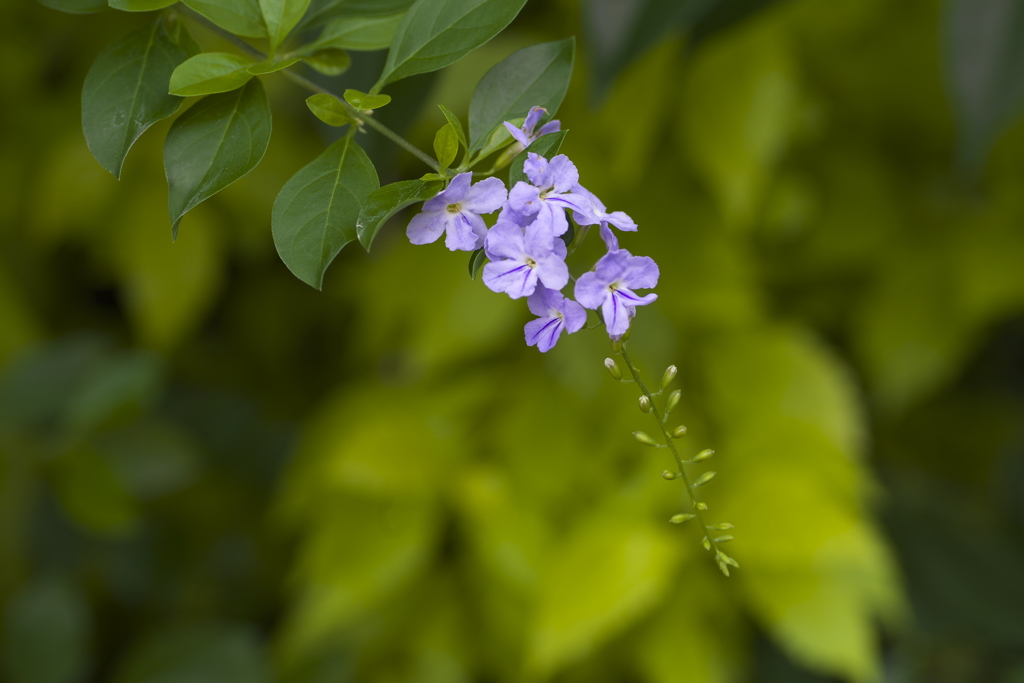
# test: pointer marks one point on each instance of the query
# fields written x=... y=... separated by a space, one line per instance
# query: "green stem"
x=301 y=80
x=670 y=442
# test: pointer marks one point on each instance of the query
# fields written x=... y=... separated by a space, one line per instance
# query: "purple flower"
x=610 y=287
x=598 y=216
x=525 y=135
x=519 y=258
x=556 y=314
x=456 y=211
x=550 y=193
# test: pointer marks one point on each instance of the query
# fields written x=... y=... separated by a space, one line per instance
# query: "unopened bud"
x=706 y=543
x=723 y=567
x=678 y=432
x=723 y=539
x=617 y=344
x=721 y=527
x=645 y=404
x=722 y=557
x=704 y=478
x=673 y=401
x=681 y=517
x=613 y=369
x=668 y=475
x=703 y=507
x=643 y=438
x=670 y=374
x=703 y=455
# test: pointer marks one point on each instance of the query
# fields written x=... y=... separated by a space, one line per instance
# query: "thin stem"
x=670 y=442
x=301 y=80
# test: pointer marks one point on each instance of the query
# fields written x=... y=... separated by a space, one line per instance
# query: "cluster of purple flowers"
x=527 y=256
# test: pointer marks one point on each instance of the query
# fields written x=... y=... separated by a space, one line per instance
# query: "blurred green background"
x=210 y=472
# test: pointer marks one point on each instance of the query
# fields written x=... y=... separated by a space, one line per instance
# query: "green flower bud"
x=681 y=517
x=613 y=369
x=703 y=479
x=645 y=404
x=673 y=401
x=721 y=527
x=722 y=557
x=723 y=539
x=703 y=507
x=668 y=475
x=723 y=567
x=670 y=374
x=703 y=455
x=643 y=438
x=706 y=543
x=617 y=344
x=678 y=432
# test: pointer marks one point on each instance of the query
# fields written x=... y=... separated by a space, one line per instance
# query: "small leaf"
x=241 y=17
x=213 y=144
x=359 y=33
x=546 y=146
x=140 y=5
x=455 y=123
x=271 y=66
x=384 y=203
x=361 y=100
x=75 y=6
x=328 y=109
x=209 y=73
x=534 y=76
x=125 y=92
x=446 y=146
x=436 y=33
x=329 y=62
x=316 y=212
x=476 y=262
x=280 y=17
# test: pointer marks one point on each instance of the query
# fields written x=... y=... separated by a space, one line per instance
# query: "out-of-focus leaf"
x=983 y=59
x=93 y=495
x=210 y=72
x=329 y=61
x=241 y=17
x=122 y=384
x=18 y=326
x=152 y=458
x=316 y=211
x=546 y=146
x=140 y=5
x=328 y=109
x=385 y=202
x=536 y=76
x=359 y=33
x=46 y=634
x=213 y=144
x=198 y=654
x=280 y=17
x=125 y=92
x=75 y=6
x=435 y=33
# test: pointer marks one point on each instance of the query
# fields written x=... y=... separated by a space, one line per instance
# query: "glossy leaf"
x=323 y=11
x=436 y=33
x=455 y=123
x=476 y=261
x=316 y=212
x=329 y=62
x=359 y=33
x=328 y=109
x=125 y=92
x=384 y=203
x=241 y=17
x=361 y=100
x=270 y=67
x=140 y=5
x=536 y=76
x=213 y=144
x=446 y=146
x=546 y=146
x=209 y=73
x=280 y=17
x=75 y=6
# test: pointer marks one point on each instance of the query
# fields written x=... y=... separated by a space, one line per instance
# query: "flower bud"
x=721 y=527
x=703 y=479
x=706 y=543
x=673 y=401
x=613 y=369
x=668 y=475
x=616 y=344
x=643 y=438
x=703 y=507
x=681 y=517
x=645 y=404
x=678 y=432
x=670 y=374
x=703 y=455
x=724 y=539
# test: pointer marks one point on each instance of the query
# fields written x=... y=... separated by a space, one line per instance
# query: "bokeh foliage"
x=212 y=472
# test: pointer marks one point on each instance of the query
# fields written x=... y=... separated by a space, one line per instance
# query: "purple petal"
x=574 y=202
x=553 y=216
x=610 y=240
x=486 y=196
x=524 y=199
x=543 y=333
x=616 y=315
x=590 y=291
x=621 y=221
x=536 y=169
x=466 y=232
x=532 y=119
x=521 y=137
x=640 y=272
x=575 y=316
x=505 y=241
x=538 y=240
x=543 y=301
x=508 y=215
x=552 y=271
x=631 y=299
x=549 y=127
x=611 y=266
x=515 y=278
x=426 y=227
x=563 y=174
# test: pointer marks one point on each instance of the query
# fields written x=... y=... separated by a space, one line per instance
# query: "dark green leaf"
x=446 y=146
x=361 y=100
x=359 y=33
x=75 y=6
x=436 y=33
x=534 y=76
x=241 y=17
x=46 y=634
x=329 y=62
x=125 y=92
x=456 y=124
x=213 y=144
x=546 y=146
x=140 y=5
x=198 y=654
x=280 y=17
x=389 y=200
x=316 y=211
x=476 y=262
x=723 y=15
x=328 y=109
x=322 y=11
x=270 y=67
x=209 y=73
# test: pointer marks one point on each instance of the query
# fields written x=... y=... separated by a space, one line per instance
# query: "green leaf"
x=46 y=634
x=280 y=17
x=92 y=494
x=476 y=262
x=329 y=62
x=446 y=146
x=536 y=76
x=499 y=138
x=271 y=66
x=316 y=211
x=328 y=109
x=75 y=6
x=213 y=144
x=455 y=123
x=241 y=17
x=125 y=92
x=210 y=72
x=359 y=33
x=384 y=203
x=140 y=5
x=323 y=11
x=218 y=652
x=361 y=100
x=436 y=33
x=546 y=146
